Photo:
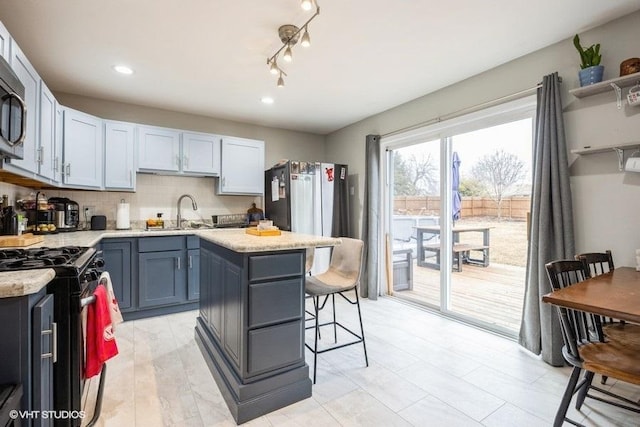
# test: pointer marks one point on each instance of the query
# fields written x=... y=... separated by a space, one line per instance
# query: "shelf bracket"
x=620 y=153
x=618 y=91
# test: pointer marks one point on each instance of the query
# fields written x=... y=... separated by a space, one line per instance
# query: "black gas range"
x=77 y=270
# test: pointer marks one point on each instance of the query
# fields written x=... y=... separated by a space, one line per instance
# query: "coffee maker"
x=8 y=221
x=66 y=213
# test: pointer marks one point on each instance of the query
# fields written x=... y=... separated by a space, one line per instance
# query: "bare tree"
x=500 y=171
x=415 y=176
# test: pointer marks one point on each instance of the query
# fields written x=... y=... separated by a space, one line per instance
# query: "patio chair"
x=587 y=351
x=342 y=276
x=403 y=229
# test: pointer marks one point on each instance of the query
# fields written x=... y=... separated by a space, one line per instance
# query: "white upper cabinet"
x=242 y=167
x=175 y=151
x=59 y=143
x=119 y=149
x=45 y=153
x=83 y=148
x=4 y=42
x=201 y=153
x=158 y=149
x=31 y=81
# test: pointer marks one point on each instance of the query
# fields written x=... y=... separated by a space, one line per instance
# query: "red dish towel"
x=101 y=344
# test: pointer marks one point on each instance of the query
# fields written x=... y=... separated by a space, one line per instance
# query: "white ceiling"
x=209 y=57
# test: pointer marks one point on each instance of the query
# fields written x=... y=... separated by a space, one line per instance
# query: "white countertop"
x=239 y=241
x=235 y=239
x=25 y=282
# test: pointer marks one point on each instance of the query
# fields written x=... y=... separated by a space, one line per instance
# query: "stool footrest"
x=335 y=347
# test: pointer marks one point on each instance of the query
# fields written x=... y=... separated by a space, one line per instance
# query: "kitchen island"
x=251 y=324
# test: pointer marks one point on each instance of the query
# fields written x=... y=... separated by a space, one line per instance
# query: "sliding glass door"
x=416 y=204
x=459 y=197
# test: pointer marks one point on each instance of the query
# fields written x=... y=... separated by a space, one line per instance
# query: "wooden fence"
x=515 y=207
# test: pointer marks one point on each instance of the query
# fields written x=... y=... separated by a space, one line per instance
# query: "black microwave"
x=13 y=113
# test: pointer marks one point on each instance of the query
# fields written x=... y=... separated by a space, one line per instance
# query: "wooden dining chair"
x=587 y=351
x=597 y=263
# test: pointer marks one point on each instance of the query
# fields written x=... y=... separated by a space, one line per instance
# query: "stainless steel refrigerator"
x=309 y=198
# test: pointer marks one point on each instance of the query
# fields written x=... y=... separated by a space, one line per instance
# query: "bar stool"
x=343 y=275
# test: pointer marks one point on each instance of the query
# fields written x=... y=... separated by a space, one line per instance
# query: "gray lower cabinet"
x=193 y=268
x=251 y=327
x=162 y=278
x=118 y=260
x=28 y=350
x=153 y=275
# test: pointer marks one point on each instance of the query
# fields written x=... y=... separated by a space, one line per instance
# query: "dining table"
x=614 y=294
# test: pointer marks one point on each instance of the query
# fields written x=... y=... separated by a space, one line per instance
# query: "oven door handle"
x=54 y=342
x=86 y=301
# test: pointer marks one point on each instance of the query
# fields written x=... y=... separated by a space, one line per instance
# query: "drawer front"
x=275 y=347
x=161 y=243
x=273 y=302
x=265 y=267
x=193 y=242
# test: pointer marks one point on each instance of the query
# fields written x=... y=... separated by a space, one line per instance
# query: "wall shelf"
x=617 y=148
x=612 y=84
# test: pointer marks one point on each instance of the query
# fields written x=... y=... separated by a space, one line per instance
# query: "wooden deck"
x=492 y=294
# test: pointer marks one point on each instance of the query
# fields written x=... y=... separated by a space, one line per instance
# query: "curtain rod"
x=468 y=110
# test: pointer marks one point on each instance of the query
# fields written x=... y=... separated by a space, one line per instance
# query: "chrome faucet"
x=193 y=205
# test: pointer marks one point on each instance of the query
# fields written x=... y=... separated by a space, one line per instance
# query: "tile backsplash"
x=154 y=193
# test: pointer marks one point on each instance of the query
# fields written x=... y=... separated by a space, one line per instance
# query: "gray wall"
x=606 y=201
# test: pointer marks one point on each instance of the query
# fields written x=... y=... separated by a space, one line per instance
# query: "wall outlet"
x=88 y=212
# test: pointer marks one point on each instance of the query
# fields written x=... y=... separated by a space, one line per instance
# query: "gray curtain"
x=551 y=224
x=371 y=218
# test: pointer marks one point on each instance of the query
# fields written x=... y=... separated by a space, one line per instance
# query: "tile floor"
x=424 y=370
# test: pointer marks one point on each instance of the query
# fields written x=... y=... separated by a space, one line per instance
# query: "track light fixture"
x=289 y=35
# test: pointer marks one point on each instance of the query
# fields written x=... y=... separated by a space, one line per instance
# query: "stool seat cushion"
x=328 y=283
x=344 y=270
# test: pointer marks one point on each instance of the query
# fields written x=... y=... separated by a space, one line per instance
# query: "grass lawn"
x=508 y=239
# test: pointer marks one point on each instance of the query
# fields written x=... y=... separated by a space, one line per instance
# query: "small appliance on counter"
x=66 y=213
x=98 y=222
x=9 y=221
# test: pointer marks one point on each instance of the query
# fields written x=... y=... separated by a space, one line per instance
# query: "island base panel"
x=252 y=400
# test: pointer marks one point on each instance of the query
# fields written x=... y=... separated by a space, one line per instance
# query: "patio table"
x=461 y=251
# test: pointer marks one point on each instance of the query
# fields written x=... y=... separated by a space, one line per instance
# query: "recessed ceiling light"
x=266 y=100
x=123 y=69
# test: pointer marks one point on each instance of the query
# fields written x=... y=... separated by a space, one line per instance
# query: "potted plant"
x=591 y=71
